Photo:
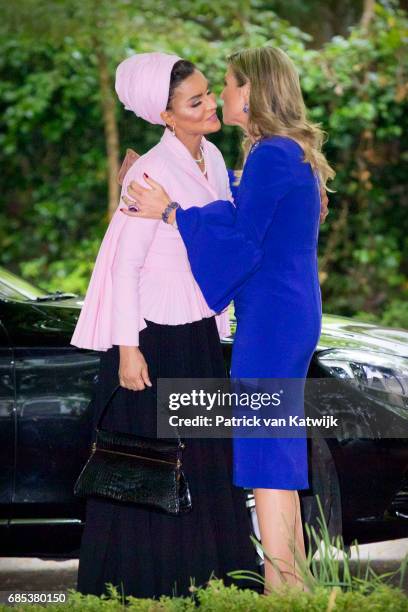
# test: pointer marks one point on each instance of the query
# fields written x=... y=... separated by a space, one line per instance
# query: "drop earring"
x=173 y=130
x=246 y=108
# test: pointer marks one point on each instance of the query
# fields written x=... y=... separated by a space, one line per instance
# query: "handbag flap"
x=138 y=445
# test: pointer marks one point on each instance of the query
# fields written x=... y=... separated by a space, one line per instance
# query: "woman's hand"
x=133 y=370
x=324 y=205
x=150 y=203
x=147 y=203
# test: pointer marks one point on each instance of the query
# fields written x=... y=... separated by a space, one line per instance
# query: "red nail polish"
x=145 y=174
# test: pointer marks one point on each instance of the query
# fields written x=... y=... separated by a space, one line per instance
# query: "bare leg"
x=280 y=525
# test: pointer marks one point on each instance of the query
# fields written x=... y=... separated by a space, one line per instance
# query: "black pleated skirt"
x=142 y=551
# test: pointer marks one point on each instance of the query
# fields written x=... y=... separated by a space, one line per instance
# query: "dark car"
x=46 y=386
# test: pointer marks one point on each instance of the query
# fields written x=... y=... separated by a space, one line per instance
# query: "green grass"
x=334 y=568
x=218 y=598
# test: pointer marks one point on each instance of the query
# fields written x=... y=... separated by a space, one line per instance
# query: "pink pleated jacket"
x=142 y=269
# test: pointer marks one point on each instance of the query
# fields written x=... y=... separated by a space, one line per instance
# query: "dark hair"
x=181 y=70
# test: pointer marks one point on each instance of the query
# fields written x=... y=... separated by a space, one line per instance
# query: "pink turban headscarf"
x=142 y=84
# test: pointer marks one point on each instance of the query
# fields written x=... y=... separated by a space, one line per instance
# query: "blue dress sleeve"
x=220 y=254
x=223 y=241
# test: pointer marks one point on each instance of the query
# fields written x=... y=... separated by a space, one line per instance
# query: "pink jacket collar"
x=180 y=150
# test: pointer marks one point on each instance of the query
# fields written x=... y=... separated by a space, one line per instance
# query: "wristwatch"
x=167 y=211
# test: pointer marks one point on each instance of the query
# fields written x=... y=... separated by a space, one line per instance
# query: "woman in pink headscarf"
x=144 y=310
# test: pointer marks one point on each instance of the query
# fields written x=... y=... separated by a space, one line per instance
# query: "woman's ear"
x=166 y=116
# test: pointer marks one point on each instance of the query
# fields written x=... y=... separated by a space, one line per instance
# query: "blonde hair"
x=276 y=105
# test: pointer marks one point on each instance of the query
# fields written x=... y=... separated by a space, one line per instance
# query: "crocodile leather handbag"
x=131 y=468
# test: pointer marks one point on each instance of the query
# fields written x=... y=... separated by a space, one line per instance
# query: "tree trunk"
x=110 y=127
x=368 y=13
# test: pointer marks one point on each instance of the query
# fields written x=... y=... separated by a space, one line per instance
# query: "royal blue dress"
x=262 y=253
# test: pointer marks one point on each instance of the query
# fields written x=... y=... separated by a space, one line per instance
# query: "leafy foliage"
x=362 y=103
x=219 y=598
x=53 y=149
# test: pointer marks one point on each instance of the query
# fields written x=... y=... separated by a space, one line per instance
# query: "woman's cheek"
x=226 y=108
x=199 y=115
x=194 y=115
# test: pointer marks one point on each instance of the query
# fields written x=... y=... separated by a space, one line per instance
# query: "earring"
x=246 y=108
x=173 y=129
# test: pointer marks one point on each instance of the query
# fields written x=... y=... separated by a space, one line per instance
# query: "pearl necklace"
x=202 y=159
x=202 y=156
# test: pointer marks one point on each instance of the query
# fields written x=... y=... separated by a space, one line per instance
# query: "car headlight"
x=383 y=377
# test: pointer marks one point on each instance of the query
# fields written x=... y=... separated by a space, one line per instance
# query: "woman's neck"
x=192 y=143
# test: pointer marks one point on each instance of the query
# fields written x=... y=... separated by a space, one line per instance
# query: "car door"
x=7 y=427
x=54 y=387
